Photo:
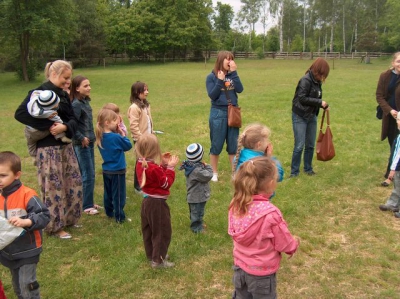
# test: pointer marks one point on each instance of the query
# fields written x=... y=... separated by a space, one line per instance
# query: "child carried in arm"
x=43 y=104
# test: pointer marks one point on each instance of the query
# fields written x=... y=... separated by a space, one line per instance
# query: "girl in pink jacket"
x=259 y=232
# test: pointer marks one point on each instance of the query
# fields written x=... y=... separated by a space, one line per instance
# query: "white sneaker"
x=214 y=177
x=163 y=264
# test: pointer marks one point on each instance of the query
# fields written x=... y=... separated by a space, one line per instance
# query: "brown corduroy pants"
x=156 y=228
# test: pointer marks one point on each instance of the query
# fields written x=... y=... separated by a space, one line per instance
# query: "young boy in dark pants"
x=198 y=176
x=23 y=208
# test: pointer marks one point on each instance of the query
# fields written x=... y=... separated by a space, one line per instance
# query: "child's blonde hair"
x=57 y=66
x=251 y=135
x=103 y=116
x=147 y=147
x=112 y=107
x=249 y=180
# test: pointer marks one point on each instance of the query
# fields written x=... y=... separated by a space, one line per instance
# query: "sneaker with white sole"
x=163 y=264
x=214 y=177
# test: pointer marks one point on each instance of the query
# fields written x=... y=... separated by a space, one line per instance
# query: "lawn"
x=349 y=249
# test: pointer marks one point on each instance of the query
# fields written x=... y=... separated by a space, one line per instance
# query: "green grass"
x=349 y=249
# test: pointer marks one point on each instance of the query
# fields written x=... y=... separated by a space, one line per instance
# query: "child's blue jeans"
x=196 y=216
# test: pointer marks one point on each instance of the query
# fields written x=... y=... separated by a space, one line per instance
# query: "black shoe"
x=388 y=208
x=293 y=175
x=310 y=173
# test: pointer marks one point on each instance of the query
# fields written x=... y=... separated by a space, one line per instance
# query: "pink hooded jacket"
x=259 y=237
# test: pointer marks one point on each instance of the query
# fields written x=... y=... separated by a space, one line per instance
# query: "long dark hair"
x=136 y=89
x=76 y=82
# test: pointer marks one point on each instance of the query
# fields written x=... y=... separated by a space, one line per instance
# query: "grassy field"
x=349 y=249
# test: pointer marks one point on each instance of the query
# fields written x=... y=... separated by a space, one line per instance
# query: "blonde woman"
x=58 y=170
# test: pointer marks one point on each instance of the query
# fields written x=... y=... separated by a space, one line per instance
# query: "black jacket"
x=65 y=112
x=308 y=97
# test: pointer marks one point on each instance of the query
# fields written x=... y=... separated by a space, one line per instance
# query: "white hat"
x=194 y=152
x=48 y=100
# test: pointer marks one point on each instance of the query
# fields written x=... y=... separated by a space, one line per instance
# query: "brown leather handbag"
x=325 y=148
x=234 y=113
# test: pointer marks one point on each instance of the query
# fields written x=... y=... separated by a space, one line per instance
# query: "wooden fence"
x=362 y=56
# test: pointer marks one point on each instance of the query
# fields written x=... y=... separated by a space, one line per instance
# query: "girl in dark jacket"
x=305 y=107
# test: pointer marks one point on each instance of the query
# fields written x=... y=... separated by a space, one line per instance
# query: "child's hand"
x=173 y=161
x=85 y=142
x=232 y=66
x=120 y=131
x=19 y=222
x=53 y=115
x=298 y=244
x=165 y=157
x=391 y=175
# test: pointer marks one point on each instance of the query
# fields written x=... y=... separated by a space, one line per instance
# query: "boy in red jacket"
x=23 y=208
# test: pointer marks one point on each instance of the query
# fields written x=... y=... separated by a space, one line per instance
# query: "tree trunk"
x=331 y=42
x=344 y=33
x=24 y=56
x=280 y=21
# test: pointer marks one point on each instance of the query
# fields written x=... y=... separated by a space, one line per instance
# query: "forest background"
x=86 y=32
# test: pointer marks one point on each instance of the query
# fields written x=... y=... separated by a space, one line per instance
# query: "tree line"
x=84 y=32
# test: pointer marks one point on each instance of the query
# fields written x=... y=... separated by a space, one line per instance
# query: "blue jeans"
x=24 y=282
x=305 y=132
x=196 y=216
x=85 y=157
x=114 y=196
x=220 y=132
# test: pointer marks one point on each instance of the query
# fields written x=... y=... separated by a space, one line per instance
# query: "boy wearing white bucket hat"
x=43 y=104
x=198 y=176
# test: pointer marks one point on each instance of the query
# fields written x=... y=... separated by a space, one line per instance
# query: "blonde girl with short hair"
x=115 y=108
x=255 y=142
x=112 y=144
x=58 y=170
x=155 y=180
x=259 y=232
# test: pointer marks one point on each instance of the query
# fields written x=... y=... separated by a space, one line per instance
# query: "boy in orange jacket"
x=23 y=208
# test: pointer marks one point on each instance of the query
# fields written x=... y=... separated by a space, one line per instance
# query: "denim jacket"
x=83 y=113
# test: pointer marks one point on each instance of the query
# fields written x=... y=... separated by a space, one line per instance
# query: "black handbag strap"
x=323 y=118
x=227 y=95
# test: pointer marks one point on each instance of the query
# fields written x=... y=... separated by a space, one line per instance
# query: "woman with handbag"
x=388 y=98
x=223 y=84
x=305 y=108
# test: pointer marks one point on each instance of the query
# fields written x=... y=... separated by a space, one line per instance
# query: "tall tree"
x=35 y=25
x=250 y=14
x=89 y=41
x=222 y=18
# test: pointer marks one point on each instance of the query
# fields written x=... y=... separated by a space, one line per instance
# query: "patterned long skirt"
x=60 y=185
